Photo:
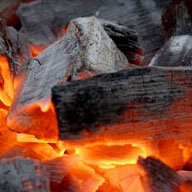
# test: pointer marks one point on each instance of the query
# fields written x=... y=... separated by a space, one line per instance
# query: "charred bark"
x=138 y=104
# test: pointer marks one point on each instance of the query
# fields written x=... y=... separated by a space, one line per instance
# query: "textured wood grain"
x=85 y=45
x=23 y=175
x=142 y=104
x=43 y=19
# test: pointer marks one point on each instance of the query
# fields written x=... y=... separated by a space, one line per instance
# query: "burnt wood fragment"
x=42 y=20
x=147 y=103
x=23 y=175
x=178 y=18
x=177 y=51
x=158 y=176
x=125 y=39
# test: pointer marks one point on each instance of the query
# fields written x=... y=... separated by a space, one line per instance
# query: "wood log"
x=135 y=103
x=178 y=18
x=85 y=45
x=176 y=52
x=20 y=175
x=42 y=19
x=158 y=176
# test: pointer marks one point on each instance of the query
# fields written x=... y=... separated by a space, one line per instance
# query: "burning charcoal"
x=20 y=175
x=125 y=39
x=40 y=151
x=41 y=20
x=86 y=177
x=177 y=51
x=158 y=176
x=124 y=178
x=178 y=18
x=85 y=45
x=60 y=167
x=125 y=103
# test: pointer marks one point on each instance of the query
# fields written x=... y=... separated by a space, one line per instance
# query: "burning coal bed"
x=95 y=106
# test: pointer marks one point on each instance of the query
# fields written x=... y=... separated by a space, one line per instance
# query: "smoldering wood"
x=177 y=19
x=85 y=45
x=20 y=175
x=43 y=19
x=177 y=51
x=159 y=177
x=60 y=167
x=142 y=104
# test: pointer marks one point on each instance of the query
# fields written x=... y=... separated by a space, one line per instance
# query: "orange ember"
x=36 y=50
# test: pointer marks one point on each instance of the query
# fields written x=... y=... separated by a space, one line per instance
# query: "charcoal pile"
x=95 y=96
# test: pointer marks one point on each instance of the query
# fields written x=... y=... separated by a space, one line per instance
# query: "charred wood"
x=142 y=104
x=178 y=18
x=125 y=39
x=177 y=51
x=158 y=176
x=22 y=175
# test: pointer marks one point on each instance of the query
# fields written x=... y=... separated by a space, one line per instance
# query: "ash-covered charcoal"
x=177 y=51
x=158 y=176
x=23 y=175
x=85 y=46
x=125 y=39
x=178 y=18
x=124 y=104
x=20 y=45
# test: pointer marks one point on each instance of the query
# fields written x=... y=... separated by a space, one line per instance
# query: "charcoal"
x=138 y=103
x=177 y=51
x=159 y=177
x=177 y=19
x=23 y=175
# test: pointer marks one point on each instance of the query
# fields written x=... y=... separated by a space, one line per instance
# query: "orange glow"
x=106 y=156
x=6 y=82
x=36 y=50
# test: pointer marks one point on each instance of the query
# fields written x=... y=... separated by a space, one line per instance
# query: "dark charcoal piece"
x=23 y=175
x=43 y=19
x=178 y=18
x=125 y=39
x=138 y=103
x=159 y=176
x=177 y=51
